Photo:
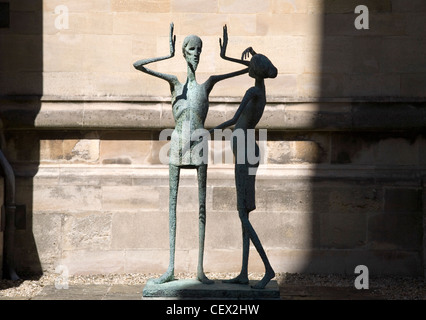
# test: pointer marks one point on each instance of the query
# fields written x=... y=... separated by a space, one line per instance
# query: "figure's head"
x=191 y=49
x=262 y=67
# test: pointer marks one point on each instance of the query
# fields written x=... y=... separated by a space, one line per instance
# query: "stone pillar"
x=424 y=226
x=1 y=226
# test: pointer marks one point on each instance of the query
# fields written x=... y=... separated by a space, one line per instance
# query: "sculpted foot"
x=265 y=280
x=240 y=279
x=202 y=278
x=167 y=277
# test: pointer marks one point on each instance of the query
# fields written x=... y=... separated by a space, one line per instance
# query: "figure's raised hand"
x=172 y=40
x=225 y=41
x=246 y=53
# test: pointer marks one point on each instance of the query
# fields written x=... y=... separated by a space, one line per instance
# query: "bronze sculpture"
x=246 y=118
x=190 y=105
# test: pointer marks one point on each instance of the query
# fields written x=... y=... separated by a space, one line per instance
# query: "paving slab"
x=92 y=292
x=226 y=291
x=293 y=292
x=74 y=292
x=194 y=289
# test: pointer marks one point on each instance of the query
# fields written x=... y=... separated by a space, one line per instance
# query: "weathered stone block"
x=224 y=260
x=362 y=85
x=66 y=198
x=306 y=151
x=141 y=23
x=84 y=84
x=142 y=230
x=203 y=24
x=47 y=239
x=193 y=6
x=51 y=150
x=355 y=200
x=250 y=6
x=88 y=261
x=224 y=199
x=402 y=200
x=83 y=150
x=129 y=198
x=223 y=230
x=415 y=6
x=402 y=55
x=243 y=24
x=415 y=25
x=140 y=6
x=151 y=261
x=397 y=152
x=381 y=24
x=348 y=6
x=188 y=198
x=396 y=231
x=119 y=115
x=296 y=6
x=369 y=148
x=88 y=230
x=289 y=24
x=310 y=115
x=144 y=46
x=63 y=52
x=286 y=230
x=78 y=6
x=284 y=200
x=79 y=23
x=343 y=230
x=62 y=115
x=412 y=85
x=311 y=85
x=121 y=150
x=273 y=117
x=281 y=152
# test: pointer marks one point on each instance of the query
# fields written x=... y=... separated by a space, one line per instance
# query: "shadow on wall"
x=21 y=87
x=367 y=209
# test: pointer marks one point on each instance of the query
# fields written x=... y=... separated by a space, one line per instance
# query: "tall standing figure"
x=190 y=104
x=246 y=118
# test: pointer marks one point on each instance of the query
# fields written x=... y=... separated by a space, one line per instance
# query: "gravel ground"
x=389 y=287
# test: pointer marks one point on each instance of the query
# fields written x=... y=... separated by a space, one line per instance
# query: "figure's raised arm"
x=223 y=47
x=140 y=64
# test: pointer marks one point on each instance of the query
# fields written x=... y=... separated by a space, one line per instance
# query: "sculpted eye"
x=192 y=48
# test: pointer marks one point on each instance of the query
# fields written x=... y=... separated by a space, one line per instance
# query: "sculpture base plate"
x=194 y=289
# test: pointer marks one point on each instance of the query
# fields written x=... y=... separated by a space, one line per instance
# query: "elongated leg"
x=174 y=173
x=269 y=272
x=202 y=178
x=242 y=278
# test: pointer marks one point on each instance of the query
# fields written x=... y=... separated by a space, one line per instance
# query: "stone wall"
x=342 y=178
x=314 y=44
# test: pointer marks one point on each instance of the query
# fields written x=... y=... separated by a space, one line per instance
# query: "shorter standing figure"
x=247 y=117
